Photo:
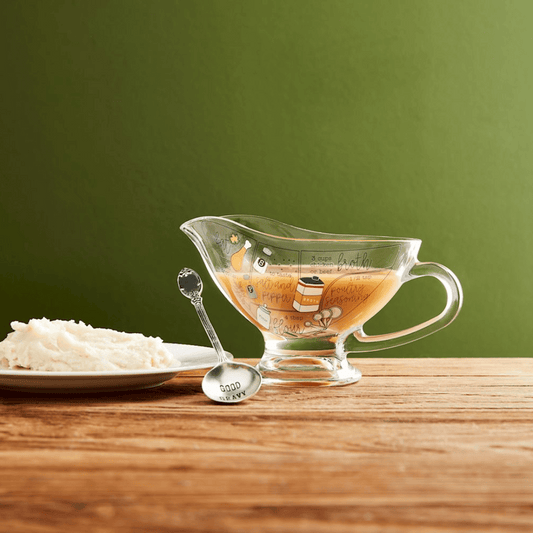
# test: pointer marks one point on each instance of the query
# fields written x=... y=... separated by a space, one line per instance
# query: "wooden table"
x=419 y=445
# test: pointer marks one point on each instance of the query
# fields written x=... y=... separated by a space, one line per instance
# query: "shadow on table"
x=154 y=394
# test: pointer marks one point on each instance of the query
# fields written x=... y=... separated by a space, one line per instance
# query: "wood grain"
x=419 y=445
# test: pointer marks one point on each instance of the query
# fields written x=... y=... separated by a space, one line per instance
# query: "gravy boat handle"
x=454 y=291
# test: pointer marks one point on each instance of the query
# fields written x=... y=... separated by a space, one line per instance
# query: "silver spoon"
x=227 y=382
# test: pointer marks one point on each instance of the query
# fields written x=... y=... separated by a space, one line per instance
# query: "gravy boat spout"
x=307 y=291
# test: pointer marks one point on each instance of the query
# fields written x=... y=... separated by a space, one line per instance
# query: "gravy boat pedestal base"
x=302 y=369
x=313 y=362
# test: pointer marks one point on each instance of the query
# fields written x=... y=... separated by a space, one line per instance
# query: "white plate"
x=190 y=358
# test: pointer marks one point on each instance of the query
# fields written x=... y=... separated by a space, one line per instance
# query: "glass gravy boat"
x=308 y=291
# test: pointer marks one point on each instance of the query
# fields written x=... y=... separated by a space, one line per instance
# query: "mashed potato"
x=63 y=346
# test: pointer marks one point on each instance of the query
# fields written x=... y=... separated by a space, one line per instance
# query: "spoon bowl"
x=231 y=382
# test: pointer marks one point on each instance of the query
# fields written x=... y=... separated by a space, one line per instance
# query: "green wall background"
x=122 y=119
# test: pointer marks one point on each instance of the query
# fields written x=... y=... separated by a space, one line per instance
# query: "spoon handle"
x=209 y=329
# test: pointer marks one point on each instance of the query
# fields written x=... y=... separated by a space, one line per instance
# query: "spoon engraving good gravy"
x=227 y=382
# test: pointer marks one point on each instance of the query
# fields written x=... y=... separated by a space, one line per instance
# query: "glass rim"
x=322 y=236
